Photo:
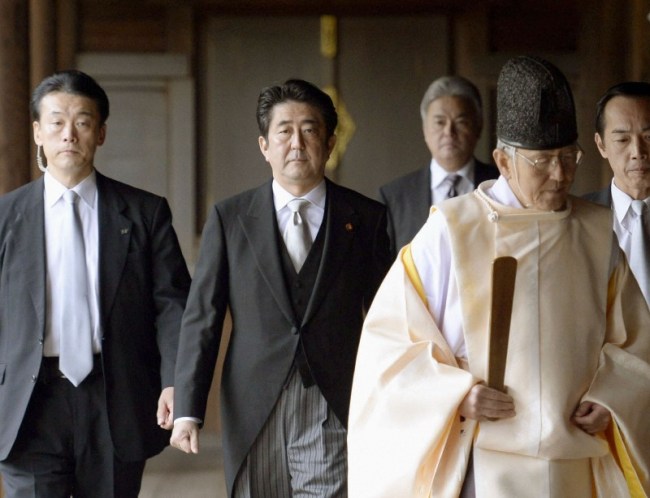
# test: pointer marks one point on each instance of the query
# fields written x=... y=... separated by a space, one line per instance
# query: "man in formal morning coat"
x=452 y=119
x=296 y=322
x=83 y=424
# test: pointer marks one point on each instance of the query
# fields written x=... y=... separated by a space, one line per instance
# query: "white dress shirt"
x=624 y=217
x=54 y=207
x=438 y=175
x=313 y=213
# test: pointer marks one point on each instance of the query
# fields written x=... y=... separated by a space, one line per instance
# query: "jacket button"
x=295 y=330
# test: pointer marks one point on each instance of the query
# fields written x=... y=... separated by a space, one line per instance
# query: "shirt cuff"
x=188 y=419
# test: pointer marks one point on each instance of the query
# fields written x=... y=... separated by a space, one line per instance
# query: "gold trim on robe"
x=569 y=342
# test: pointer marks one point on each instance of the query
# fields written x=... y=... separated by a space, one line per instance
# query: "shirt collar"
x=86 y=189
x=438 y=173
x=501 y=192
x=281 y=197
x=621 y=202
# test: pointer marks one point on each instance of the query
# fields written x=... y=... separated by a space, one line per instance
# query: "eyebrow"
x=627 y=130
x=290 y=121
x=82 y=113
x=461 y=115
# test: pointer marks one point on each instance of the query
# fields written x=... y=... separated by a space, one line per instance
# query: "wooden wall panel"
x=526 y=27
x=120 y=27
x=640 y=40
x=15 y=129
x=594 y=54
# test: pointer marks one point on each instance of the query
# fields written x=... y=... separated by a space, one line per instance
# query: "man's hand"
x=484 y=403
x=165 y=413
x=591 y=417
x=185 y=436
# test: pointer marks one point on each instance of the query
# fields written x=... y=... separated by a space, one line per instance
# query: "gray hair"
x=452 y=86
x=504 y=146
x=507 y=148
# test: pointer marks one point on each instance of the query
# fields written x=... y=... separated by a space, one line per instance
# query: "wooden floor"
x=174 y=474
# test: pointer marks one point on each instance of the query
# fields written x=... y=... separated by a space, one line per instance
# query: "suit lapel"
x=259 y=226
x=114 y=237
x=29 y=236
x=424 y=189
x=341 y=222
x=606 y=197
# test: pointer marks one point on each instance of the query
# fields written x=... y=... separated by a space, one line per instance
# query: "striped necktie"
x=452 y=181
x=297 y=236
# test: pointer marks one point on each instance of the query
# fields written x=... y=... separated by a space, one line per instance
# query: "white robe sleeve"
x=404 y=430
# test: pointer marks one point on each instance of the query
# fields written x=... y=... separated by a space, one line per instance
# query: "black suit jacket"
x=408 y=199
x=143 y=284
x=603 y=196
x=240 y=266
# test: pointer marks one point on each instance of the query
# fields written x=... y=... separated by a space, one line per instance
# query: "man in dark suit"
x=296 y=324
x=84 y=424
x=452 y=120
x=623 y=138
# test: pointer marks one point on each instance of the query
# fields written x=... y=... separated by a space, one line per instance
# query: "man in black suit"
x=86 y=432
x=452 y=119
x=623 y=138
x=296 y=324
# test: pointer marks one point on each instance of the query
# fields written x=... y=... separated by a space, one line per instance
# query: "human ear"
x=331 y=142
x=502 y=161
x=264 y=146
x=36 y=127
x=600 y=145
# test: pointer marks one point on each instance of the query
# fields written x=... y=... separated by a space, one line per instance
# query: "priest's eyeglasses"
x=545 y=163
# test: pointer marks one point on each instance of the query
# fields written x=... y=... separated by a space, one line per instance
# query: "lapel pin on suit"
x=349 y=227
x=124 y=231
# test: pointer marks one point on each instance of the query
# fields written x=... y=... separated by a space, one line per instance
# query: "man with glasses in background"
x=423 y=419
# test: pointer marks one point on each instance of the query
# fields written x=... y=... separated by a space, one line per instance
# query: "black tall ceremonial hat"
x=535 y=108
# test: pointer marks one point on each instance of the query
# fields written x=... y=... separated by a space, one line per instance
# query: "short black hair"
x=73 y=82
x=634 y=89
x=295 y=90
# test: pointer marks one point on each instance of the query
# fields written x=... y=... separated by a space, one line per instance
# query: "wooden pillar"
x=15 y=130
x=640 y=40
x=67 y=35
x=603 y=43
x=42 y=53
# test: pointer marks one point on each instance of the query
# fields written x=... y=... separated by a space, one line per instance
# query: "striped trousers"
x=300 y=451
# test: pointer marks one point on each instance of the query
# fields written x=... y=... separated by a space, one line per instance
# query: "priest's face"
x=540 y=179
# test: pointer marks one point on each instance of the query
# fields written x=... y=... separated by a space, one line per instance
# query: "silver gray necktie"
x=76 y=355
x=297 y=236
x=452 y=181
x=640 y=247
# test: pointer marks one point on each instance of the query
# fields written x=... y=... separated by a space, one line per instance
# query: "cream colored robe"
x=579 y=332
